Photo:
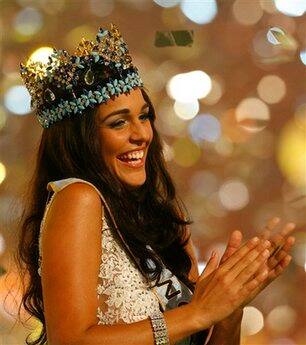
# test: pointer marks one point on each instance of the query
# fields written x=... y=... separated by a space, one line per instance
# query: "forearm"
x=180 y=324
x=227 y=332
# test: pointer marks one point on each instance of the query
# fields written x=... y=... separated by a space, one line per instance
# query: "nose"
x=140 y=131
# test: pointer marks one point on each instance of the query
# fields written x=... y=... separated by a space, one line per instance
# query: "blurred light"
x=28 y=21
x=186 y=111
x=200 y=12
x=215 y=93
x=201 y=266
x=101 y=8
x=271 y=89
x=224 y=146
x=186 y=87
x=275 y=35
x=53 y=7
x=167 y=3
x=41 y=55
x=219 y=247
x=278 y=20
x=2 y=172
x=262 y=145
x=281 y=319
x=283 y=341
x=300 y=116
x=234 y=195
x=264 y=49
x=291 y=153
x=252 y=114
x=167 y=151
x=231 y=129
x=299 y=249
x=268 y=6
x=3 y=117
x=167 y=121
x=252 y=321
x=303 y=56
x=186 y=153
x=75 y=35
x=278 y=36
x=154 y=79
x=215 y=207
x=17 y=100
x=205 y=127
x=293 y=8
x=2 y=244
x=204 y=183
x=247 y=12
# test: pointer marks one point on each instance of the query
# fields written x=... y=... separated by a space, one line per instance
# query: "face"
x=126 y=133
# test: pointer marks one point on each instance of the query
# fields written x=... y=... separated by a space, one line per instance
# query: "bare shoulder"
x=71 y=254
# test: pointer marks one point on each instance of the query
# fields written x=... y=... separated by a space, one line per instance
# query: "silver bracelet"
x=159 y=328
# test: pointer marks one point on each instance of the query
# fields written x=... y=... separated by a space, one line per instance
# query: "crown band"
x=68 y=84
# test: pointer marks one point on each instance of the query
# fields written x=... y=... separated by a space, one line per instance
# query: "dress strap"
x=58 y=185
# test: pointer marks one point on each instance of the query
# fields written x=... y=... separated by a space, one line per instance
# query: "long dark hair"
x=151 y=214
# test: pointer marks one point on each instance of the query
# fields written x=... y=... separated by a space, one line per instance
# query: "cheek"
x=111 y=144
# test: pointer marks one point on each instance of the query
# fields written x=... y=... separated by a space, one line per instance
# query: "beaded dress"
x=122 y=292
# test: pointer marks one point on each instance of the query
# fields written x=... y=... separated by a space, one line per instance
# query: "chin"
x=134 y=183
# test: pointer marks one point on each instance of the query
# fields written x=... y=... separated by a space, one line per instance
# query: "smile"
x=133 y=162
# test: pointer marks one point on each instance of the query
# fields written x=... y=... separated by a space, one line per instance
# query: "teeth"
x=134 y=155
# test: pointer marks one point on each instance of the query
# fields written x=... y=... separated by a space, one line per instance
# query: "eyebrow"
x=123 y=111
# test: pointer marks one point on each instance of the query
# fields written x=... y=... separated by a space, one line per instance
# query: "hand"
x=279 y=258
x=218 y=293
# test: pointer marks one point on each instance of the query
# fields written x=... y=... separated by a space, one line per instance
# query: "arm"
x=71 y=246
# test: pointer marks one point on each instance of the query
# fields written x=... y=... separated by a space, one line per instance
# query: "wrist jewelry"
x=159 y=329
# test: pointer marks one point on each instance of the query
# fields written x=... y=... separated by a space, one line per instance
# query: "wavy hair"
x=151 y=214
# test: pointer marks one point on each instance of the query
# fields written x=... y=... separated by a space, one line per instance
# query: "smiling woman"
x=108 y=259
x=125 y=135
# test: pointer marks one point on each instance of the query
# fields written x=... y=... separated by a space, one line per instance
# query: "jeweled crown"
x=68 y=84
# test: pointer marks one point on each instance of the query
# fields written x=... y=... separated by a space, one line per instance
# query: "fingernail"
x=255 y=239
x=276 y=219
x=291 y=225
x=213 y=254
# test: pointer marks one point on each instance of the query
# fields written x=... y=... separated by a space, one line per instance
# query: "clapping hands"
x=279 y=259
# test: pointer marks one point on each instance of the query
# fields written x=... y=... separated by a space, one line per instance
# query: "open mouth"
x=132 y=161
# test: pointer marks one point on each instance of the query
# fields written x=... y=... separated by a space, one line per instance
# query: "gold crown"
x=70 y=83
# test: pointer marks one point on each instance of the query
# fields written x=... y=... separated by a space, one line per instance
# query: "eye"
x=116 y=124
x=147 y=116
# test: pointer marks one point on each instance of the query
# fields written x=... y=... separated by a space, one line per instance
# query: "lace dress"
x=122 y=292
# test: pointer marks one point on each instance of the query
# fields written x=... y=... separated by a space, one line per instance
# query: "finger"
x=255 y=284
x=275 y=259
x=252 y=262
x=212 y=264
x=233 y=244
x=271 y=224
x=239 y=254
x=280 y=236
x=281 y=243
x=287 y=230
x=279 y=269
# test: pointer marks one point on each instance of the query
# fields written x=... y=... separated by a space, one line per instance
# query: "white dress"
x=122 y=292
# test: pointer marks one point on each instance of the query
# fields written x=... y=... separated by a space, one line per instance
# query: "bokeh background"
x=231 y=109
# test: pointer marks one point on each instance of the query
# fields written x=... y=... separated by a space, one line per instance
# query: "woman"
x=110 y=259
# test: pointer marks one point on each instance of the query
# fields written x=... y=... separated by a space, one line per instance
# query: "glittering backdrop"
x=231 y=108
